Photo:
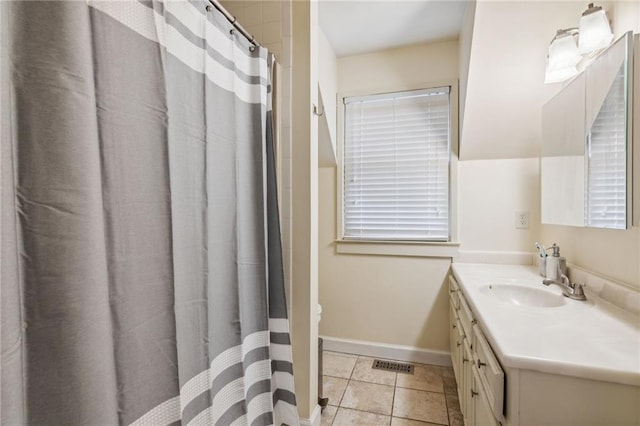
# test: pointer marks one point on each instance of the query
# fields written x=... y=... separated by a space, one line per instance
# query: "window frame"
x=419 y=248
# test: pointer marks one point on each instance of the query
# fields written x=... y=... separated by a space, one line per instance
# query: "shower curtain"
x=142 y=277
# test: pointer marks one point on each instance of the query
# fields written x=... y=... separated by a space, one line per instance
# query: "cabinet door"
x=466 y=402
x=482 y=414
x=489 y=371
x=453 y=342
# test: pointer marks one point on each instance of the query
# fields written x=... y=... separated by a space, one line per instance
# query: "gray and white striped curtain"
x=142 y=276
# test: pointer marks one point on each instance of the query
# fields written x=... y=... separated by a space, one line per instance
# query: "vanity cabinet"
x=542 y=377
x=477 y=371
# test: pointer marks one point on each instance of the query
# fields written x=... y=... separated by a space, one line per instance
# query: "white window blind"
x=396 y=166
x=607 y=161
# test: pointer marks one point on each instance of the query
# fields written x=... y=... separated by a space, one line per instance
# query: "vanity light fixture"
x=563 y=57
x=595 y=32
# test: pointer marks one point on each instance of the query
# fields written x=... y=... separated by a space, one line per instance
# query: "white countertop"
x=592 y=340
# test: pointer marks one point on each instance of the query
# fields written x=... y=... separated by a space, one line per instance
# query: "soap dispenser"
x=556 y=265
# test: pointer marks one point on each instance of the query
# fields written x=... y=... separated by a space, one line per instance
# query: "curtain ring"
x=208 y=8
x=252 y=48
x=315 y=111
x=232 y=31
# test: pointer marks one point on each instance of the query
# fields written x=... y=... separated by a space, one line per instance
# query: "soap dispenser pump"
x=556 y=265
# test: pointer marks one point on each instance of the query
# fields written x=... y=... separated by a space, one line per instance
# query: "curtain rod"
x=233 y=21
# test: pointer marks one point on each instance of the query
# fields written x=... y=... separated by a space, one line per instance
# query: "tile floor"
x=360 y=395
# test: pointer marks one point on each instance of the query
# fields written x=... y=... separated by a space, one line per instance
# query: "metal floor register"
x=398 y=367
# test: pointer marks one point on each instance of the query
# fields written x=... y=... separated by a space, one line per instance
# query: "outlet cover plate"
x=522 y=220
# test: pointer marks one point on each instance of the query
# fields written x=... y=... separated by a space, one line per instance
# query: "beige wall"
x=385 y=299
x=304 y=208
x=611 y=253
x=328 y=82
x=496 y=84
x=490 y=192
x=505 y=89
x=466 y=39
x=420 y=63
x=625 y=16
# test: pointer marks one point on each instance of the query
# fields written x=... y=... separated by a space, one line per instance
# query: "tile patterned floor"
x=359 y=395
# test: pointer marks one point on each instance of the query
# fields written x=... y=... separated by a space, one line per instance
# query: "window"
x=396 y=158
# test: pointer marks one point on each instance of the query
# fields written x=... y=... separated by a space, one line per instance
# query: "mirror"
x=586 y=145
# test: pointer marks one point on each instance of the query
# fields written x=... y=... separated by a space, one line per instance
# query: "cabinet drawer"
x=489 y=371
x=453 y=284
x=455 y=299
x=459 y=332
x=454 y=289
x=466 y=315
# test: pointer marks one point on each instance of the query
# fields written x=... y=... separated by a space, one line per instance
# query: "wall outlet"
x=522 y=220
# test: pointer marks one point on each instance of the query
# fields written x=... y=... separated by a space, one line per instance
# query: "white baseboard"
x=315 y=418
x=387 y=351
x=499 y=257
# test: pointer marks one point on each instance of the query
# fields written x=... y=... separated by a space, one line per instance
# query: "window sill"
x=398 y=248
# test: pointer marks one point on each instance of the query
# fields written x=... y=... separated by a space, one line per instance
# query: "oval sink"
x=523 y=296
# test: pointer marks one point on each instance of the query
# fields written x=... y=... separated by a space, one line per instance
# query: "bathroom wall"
x=328 y=83
x=304 y=212
x=505 y=87
x=384 y=299
x=625 y=16
x=419 y=63
x=465 y=41
x=613 y=254
x=502 y=51
x=490 y=192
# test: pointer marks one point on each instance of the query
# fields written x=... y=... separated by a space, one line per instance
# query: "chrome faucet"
x=571 y=290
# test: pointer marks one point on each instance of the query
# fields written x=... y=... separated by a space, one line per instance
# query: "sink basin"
x=523 y=296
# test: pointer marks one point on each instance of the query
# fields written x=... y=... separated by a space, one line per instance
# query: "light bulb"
x=562 y=59
x=595 y=32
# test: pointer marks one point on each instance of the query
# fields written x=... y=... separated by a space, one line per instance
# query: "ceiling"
x=357 y=26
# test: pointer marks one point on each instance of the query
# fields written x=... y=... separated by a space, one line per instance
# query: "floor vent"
x=398 y=367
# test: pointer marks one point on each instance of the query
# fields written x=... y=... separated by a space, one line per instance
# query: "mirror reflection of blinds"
x=396 y=166
x=607 y=161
